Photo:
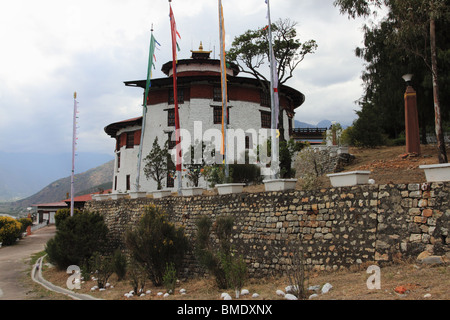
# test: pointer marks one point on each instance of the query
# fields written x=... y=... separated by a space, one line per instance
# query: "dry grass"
x=347 y=285
x=388 y=165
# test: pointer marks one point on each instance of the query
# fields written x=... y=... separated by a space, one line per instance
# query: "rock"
x=423 y=255
x=183 y=291
x=428 y=295
x=326 y=288
x=142 y=295
x=255 y=295
x=244 y=292
x=290 y=297
x=290 y=289
x=159 y=294
x=433 y=260
x=314 y=288
x=166 y=295
x=280 y=293
x=223 y=295
x=148 y=292
x=227 y=297
x=315 y=295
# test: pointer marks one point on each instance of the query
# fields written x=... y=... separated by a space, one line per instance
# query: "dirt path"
x=14 y=263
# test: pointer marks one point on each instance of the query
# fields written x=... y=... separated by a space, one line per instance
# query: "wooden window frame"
x=266 y=119
x=217 y=115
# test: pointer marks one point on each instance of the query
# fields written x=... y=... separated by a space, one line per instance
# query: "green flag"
x=151 y=64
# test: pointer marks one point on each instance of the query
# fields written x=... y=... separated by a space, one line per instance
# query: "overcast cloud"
x=51 y=48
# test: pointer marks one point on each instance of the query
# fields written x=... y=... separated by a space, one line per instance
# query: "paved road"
x=14 y=264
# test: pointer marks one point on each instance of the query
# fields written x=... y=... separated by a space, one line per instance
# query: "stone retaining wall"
x=336 y=227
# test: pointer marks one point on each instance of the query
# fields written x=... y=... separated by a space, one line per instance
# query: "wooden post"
x=411 y=122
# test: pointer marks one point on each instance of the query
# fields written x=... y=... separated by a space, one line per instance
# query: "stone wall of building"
x=336 y=228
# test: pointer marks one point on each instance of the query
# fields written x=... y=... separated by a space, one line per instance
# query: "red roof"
x=83 y=198
x=54 y=204
x=87 y=197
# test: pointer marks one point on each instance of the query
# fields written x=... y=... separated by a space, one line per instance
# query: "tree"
x=194 y=162
x=76 y=240
x=156 y=242
x=158 y=163
x=411 y=20
x=250 y=51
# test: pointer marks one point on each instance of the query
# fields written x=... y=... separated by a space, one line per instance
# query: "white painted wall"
x=243 y=115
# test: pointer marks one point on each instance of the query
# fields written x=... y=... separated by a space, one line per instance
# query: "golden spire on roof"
x=200 y=50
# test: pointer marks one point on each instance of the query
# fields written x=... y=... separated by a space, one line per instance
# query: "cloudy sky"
x=51 y=48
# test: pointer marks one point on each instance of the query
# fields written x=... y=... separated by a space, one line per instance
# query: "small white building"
x=200 y=109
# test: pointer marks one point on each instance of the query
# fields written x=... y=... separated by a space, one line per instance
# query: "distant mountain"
x=321 y=124
x=324 y=124
x=299 y=124
x=23 y=174
x=58 y=190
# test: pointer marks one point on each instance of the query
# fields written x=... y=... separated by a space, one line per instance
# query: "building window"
x=171 y=118
x=266 y=120
x=218 y=115
x=217 y=94
x=170 y=180
x=180 y=96
x=118 y=160
x=265 y=98
x=130 y=140
x=115 y=183
x=247 y=142
x=128 y=182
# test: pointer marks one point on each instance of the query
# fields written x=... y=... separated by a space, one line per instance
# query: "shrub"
x=137 y=275
x=25 y=222
x=245 y=173
x=62 y=214
x=170 y=278
x=155 y=242
x=119 y=264
x=102 y=266
x=76 y=239
x=10 y=230
x=228 y=270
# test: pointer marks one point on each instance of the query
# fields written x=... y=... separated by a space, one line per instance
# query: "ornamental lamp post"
x=411 y=118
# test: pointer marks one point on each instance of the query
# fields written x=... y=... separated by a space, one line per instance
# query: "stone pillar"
x=411 y=122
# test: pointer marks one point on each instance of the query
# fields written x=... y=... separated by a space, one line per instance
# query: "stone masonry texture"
x=335 y=228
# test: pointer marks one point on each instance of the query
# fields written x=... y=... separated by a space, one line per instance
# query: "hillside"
x=24 y=174
x=58 y=190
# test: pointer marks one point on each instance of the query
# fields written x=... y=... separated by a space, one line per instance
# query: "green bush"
x=245 y=173
x=76 y=239
x=156 y=242
x=220 y=261
x=25 y=222
x=62 y=214
x=10 y=230
x=170 y=278
x=119 y=264
x=102 y=266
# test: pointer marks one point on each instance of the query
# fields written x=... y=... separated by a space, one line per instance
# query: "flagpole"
x=274 y=111
x=175 y=98
x=224 y=90
x=73 y=153
x=145 y=109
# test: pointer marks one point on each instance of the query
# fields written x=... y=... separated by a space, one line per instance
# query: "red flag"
x=175 y=33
